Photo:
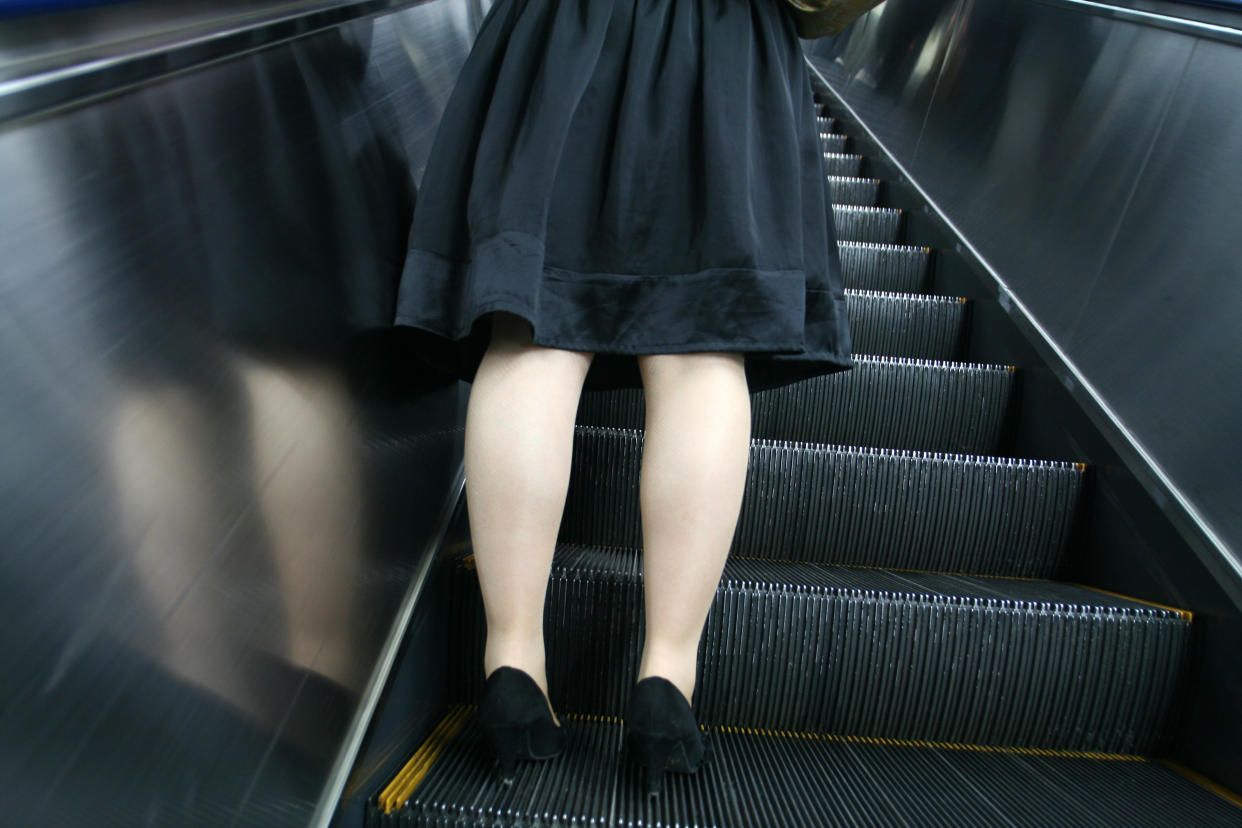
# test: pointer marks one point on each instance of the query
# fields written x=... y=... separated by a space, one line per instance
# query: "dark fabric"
x=632 y=177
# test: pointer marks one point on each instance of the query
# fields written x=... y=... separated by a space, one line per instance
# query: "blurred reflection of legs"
x=695 y=455
x=308 y=481
x=193 y=478
x=173 y=489
x=519 y=441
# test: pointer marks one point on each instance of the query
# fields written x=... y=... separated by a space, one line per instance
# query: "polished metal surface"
x=130 y=62
x=220 y=465
x=329 y=804
x=1174 y=23
x=1055 y=142
x=1088 y=167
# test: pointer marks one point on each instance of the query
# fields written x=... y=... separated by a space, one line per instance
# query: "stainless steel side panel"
x=219 y=468
x=1094 y=164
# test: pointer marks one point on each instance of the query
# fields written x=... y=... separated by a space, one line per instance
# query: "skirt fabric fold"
x=631 y=177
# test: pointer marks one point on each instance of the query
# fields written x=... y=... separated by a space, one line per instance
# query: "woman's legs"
x=695 y=455
x=519 y=441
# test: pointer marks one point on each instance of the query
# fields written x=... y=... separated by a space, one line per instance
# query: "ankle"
x=675 y=670
x=522 y=654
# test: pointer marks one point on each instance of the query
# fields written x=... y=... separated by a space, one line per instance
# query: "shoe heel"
x=517 y=723
x=508 y=744
x=654 y=755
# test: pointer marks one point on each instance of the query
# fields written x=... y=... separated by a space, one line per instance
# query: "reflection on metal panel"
x=218 y=460
x=1060 y=144
x=1093 y=165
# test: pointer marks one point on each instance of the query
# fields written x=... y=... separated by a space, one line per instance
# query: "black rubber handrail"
x=63 y=86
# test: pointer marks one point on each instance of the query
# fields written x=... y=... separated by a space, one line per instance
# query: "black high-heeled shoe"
x=661 y=731
x=515 y=717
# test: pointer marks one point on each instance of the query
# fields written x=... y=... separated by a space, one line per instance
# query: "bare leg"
x=693 y=475
x=519 y=442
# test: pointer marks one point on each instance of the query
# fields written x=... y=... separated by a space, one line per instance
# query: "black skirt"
x=631 y=177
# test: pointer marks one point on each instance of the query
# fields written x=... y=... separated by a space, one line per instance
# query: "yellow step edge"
x=407 y=780
x=889 y=742
x=1184 y=613
x=1203 y=782
x=403 y=785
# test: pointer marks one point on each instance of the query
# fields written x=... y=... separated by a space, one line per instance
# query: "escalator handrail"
x=1185 y=25
x=36 y=93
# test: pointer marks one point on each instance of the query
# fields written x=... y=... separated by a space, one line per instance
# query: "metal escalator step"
x=833 y=141
x=885 y=402
x=864 y=652
x=892 y=403
x=878 y=225
x=906 y=324
x=826 y=124
x=855 y=506
x=887 y=267
x=842 y=164
x=765 y=780
x=851 y=190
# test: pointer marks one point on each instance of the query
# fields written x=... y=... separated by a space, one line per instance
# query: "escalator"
x=890 y=643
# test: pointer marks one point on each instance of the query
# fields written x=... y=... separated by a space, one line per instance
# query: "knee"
x=677 y=369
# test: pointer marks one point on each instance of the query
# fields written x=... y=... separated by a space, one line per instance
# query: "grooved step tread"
x=911 y=325
x=850 y=189
x=833 y=141
x=886 y=402
x=896 y=268
x=766 y=780
x=866 y=652
x=847 y=164
x=849 y=505
x=877 y=225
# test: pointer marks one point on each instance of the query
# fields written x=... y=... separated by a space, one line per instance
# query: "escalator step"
x=878 y=225
x=760 y=779
x=826 y=124
x=842 y=164
x=833 y=141
x=887 y=267
x=886 y=402
x=865 y=652
x=851 y=190
x=855 y=506
x=893 y=403
x=906 y=324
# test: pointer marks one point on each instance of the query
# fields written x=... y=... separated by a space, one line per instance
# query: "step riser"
x=833 y=142
x=869 y=225
x=853 y=663
x=899 y=405
x=864 y=192
x=891 y=510
x=885 y=268
x=846 y=165
x=888 y=404
x=901 y=325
